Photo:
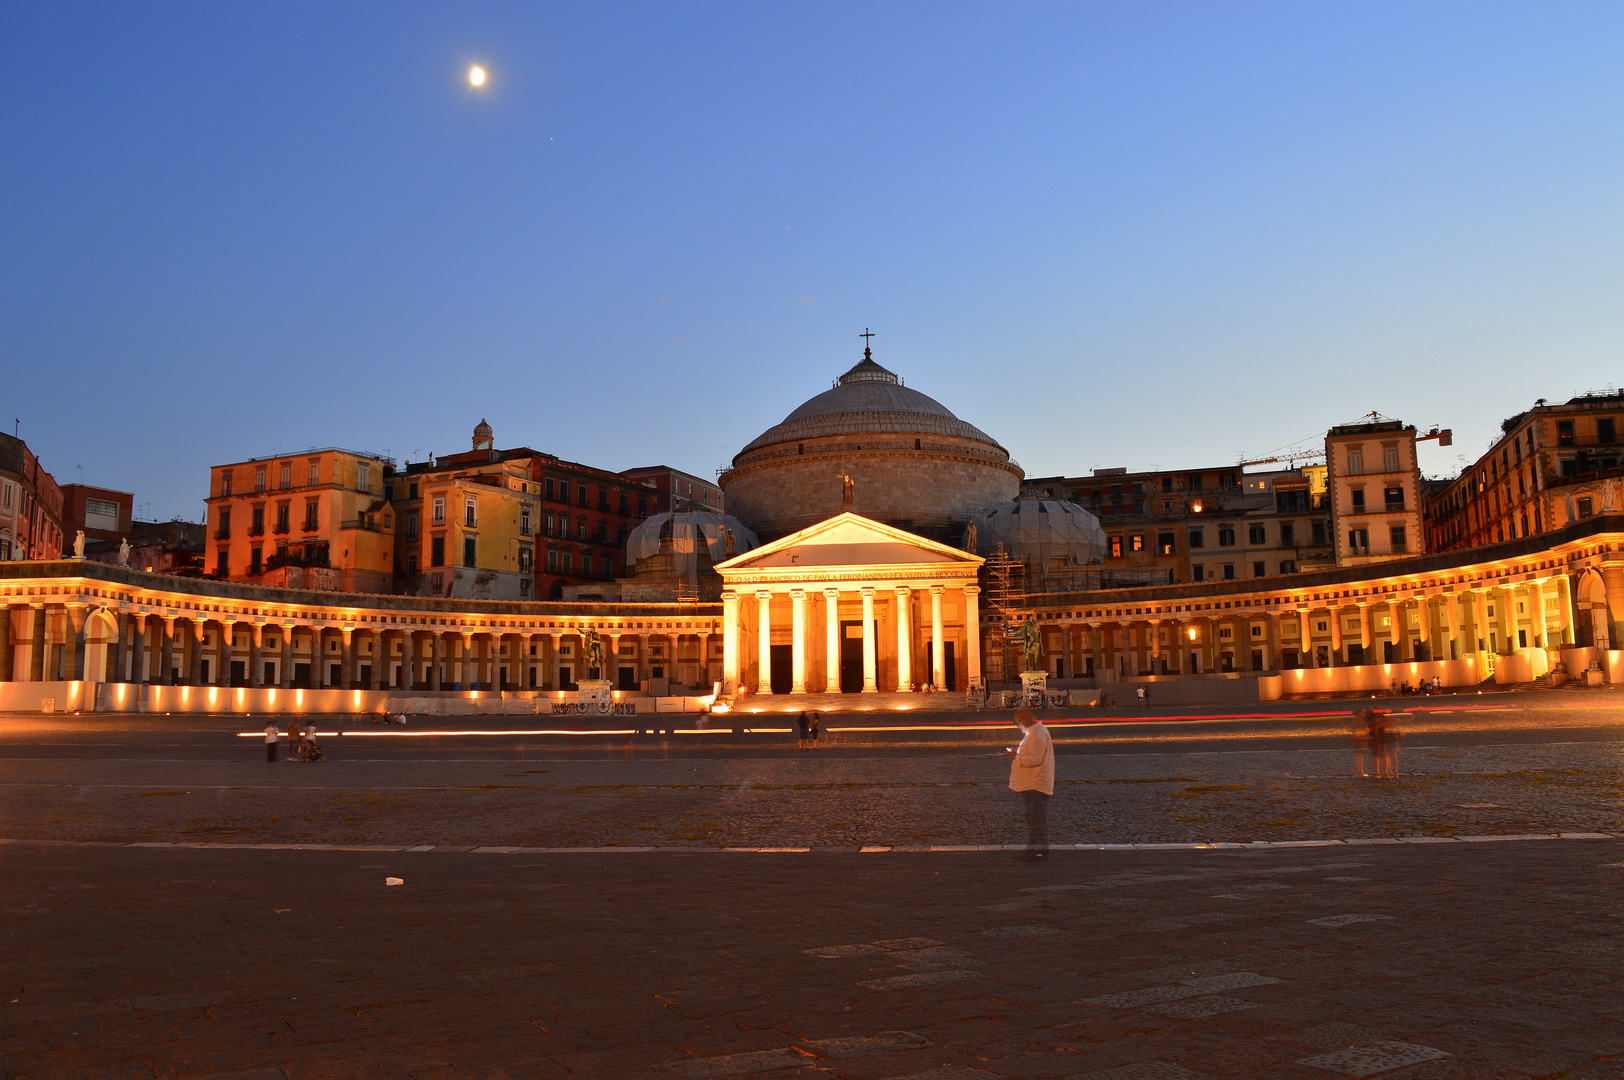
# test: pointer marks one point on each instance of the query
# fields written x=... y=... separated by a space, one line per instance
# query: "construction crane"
x=1444 y=436
x=1288 y=459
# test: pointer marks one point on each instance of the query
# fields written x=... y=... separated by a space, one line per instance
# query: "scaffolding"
x=1006 y=611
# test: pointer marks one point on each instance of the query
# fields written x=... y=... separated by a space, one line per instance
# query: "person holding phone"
x=1031 y=775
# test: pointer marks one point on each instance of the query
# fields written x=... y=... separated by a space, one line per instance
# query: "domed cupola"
x=484 y=436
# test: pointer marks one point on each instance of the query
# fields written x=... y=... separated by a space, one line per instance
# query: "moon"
x=476 y=76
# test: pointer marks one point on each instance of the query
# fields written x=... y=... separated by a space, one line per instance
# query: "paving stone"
x=1133 y=999
x=1376 y=1058
x=1146 y=1070
x=1335 y=921
x=857 y=1046
x=1232 y=981
x=924 y=978
x=1196 y=1008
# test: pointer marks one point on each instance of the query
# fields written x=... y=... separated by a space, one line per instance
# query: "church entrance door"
x=783 y=669
x=851 y=657
x=949 y=676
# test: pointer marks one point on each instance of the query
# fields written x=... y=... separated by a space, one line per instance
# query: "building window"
x=552 y=560
x=470 y=513
x=469 y=550
x=224 y=531
x=436 y=582
x=1584 y=506
x=222 y=563
x=1258 y=570
x=1358 y=496
x=1393 y=497
x=1229 y=571
x=624 y=502
x=1196 y=572
x=1395 y=536
x=411 y=565
x=439 y=512
x=1359 y=540
x=581 y=491
x=1288 y=534
x=312 y=519
x=315 y=470
x=1197 y=539
x=258 y=526
x=254 y=557
x=1226 y=537
x=1564 y=433
x=437 y=551
x=225 y=483
x=285 y=481
x=566 y=561
x=1136 y=542
x=259 y=479
x=524 y=558
x=281 y=517
x=1605 y=434
x=1116 y=548
x=1288 y=566
x=411 y=525
x=1255 y=535
x=363 y=477
x=642 y=506
x=586 y=564
x=580 y=525
x=524 y=521
x=1390 y=458
x=1164 y=544
x=1356 y=462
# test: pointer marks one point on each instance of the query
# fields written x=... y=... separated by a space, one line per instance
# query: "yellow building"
x=315 y=520
x=468 y=530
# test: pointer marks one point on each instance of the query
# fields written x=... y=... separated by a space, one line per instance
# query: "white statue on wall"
x=1567 y=504
x=124 y=552
x=1608 y=498
x=79 y=545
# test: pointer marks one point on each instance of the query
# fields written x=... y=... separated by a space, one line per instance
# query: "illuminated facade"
x=315 y=520
x=30 y=505
x=1553 y=465
x=1374 y=489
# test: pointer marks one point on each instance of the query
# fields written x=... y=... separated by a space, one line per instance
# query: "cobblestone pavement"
x=1471 y=961
x=1465 y=773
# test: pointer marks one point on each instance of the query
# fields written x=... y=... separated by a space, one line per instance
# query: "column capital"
x=937 y=590
x=831 y=594
x=903 y=592
x=729 y=594
x=797 y=594
x=764 y=594
x=867 y=592
x=971 y=590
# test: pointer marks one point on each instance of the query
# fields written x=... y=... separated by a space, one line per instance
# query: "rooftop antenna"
x=16 y=427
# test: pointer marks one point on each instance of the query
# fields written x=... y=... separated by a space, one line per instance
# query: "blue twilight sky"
x=1137 y=234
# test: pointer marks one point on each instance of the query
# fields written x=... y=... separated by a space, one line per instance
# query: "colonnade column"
x=1365 y=638
x=764 y=642
x=380 y=657
x=1096 y=648
x=938 y=665
x=166 y=652
x=1536 y=603
x=1480 y=619
x=285 y=668
x=904 y=640
x=972 y=632
x=869 y=686
x=1451 y=606
x=1423 y=607
x=730 y=642
x=254 y=643
x=831 y=646
x=797 y=651
x=1305 y=640
x=1564 y=605
x=138 y=649
x=1506 y=612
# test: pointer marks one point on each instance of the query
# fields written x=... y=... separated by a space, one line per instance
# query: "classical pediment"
x=848 y=540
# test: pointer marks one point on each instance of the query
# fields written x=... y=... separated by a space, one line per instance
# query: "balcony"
x=222 y=534
x=363 y=524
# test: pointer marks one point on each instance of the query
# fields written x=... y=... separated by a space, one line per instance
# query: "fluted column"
x=285 y=669
x=869 y=685
x=797 y=650
x=764 y=642
x=938 y=664
x=831 y=641
x=1451 y=606
x=1366 y=639
x=1480 y=618
x=730 y=642
x=904 y=639
x=1536 y=613
x=77 y=615
x=255 y=676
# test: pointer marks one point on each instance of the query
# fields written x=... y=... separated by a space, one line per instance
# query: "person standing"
x=814 y=722
x=1031 y=774
x=295 y=741
x=271 y=737
x=803 y=728
x=1144 y=696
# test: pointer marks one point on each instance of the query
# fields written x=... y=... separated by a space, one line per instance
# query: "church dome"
x=868 y=398
x=1045 y=533
x=910 y=462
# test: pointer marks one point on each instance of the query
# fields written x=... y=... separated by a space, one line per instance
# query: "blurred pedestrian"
x=1384 y=741
x=1143 y=694
x=803 y=727
x=1364 y=742
x=815 y=723
x=1031 y=774
x=272 y=736
x=295 y=742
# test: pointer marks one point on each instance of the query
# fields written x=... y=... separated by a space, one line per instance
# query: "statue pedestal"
x=1034 y=685
x=597 y=695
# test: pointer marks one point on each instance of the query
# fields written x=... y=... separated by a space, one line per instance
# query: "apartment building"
x=1551 y=466
x=1374 y=488
x=31 y=525
x=312 y=520
x=673 y=487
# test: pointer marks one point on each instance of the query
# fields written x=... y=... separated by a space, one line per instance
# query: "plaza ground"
x=179 y=908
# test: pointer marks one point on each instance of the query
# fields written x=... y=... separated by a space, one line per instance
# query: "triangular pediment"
x=849 y=540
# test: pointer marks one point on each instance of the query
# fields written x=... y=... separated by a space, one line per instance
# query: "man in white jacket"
x=1031 y=773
